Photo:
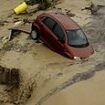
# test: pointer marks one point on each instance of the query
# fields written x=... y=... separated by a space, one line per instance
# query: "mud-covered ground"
x=44 y=73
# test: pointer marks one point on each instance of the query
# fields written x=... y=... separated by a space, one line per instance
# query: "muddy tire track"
x=75 y=79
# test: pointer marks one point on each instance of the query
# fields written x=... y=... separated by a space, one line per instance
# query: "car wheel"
x=34 y=34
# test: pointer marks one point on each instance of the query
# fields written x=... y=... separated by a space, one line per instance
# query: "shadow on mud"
x=9 y=76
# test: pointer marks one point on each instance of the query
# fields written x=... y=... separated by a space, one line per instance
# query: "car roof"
x=65 y=20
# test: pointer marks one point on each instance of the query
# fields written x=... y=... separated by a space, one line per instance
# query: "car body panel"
x=81 y=52
x=67 y=22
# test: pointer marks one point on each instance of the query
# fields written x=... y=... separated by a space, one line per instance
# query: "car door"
x=58 y=39
x=46 y=25
x=51 y=34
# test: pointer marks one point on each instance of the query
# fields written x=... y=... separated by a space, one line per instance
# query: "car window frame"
x=45 y=18
x=78 y=46
x=61 y=29
x=52 y=30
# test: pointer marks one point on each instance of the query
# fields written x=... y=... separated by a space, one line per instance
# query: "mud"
x=84 y=92
x=75 y=79
x=44 y=73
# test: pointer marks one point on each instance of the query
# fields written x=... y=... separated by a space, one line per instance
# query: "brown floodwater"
x=90 y=92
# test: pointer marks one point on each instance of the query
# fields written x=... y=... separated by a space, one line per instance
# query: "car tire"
x=34 y=34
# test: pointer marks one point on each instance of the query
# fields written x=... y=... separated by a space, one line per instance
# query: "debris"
x=26 y=20
x=30 y=2
x=93 y=8
x=18 y=27
x=33 y=9
x=18 y=23
x=68 y=13
x=2 y=22
x=5 y=39
x=14 y=32
x=21 y=8
x=65 y=12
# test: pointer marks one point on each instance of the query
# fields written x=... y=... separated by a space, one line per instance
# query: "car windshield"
x=77 y=38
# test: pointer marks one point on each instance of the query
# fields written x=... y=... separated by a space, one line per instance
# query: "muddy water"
x=7 y=7
x=91 y=92
x=49 y=70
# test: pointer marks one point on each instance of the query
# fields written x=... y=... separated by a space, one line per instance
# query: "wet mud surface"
x=42 y=72
x=75 y=79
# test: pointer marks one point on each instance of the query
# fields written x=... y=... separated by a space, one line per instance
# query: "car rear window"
x=49 y=23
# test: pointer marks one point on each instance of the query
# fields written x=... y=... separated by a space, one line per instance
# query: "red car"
x=61 y=34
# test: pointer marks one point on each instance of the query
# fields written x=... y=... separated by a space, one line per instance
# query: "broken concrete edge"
x=15 y=32
x=9 y=76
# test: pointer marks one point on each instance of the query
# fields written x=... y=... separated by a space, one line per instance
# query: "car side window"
x=49 y=22
x=59 y=32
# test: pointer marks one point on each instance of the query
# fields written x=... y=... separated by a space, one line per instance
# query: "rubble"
x=93 y=8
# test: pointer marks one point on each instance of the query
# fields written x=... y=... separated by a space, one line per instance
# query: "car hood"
x=81 y=52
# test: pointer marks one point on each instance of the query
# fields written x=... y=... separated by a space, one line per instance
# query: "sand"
x=47 y=77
